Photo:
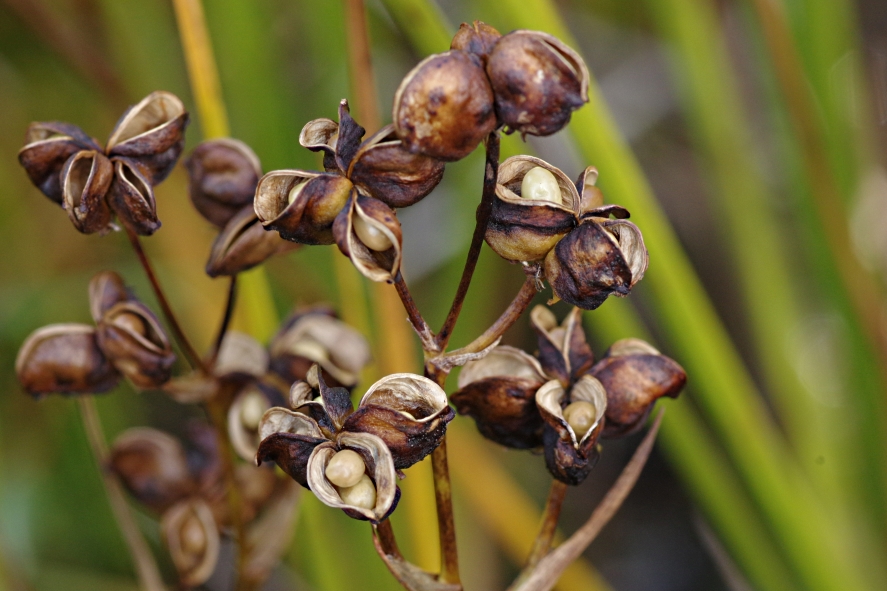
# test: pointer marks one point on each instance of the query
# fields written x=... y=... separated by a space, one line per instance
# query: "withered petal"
x=350 y=134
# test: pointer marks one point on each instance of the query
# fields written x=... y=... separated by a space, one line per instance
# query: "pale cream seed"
x=540 y=184
x=192 y=536
x=372 y=237
x=252 y=408
x=294 y=192
x=581 y=416
x=362 y=494
x=345 y=469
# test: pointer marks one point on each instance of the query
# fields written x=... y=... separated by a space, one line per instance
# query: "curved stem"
x=421 y=327
x=146 y=566
x=226 y=320
x=549 y=523
x=180 y=337
x=484 y=209
x=449 y=557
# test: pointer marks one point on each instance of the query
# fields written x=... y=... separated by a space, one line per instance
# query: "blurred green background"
x=746 y=137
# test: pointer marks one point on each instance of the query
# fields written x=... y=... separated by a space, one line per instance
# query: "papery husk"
x=242 y=355
x=243 y=244
x=193 y=569
x=245 y=440
x=105 y=290
x=537 y=80
x=349 y=138
x=86 y=178
x=152 y=134
x=48 y=145
x=384 y=169
x=132 y=198
x=408 y=412
x=380 y=468
x=444 y=106
x=288 y=438
x=146 y=359
x=372 y=264
x=152 y=466
x=223 y=174
x=321 y=135
x=309 y=218
x=563 y=350
x=64 y=359
x=570 y=456
x=526 y=229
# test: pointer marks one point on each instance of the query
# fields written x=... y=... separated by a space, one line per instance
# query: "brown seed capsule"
x=48 y=146
x=367 y=231
x=563 y=350
x=132 y=198
x=244 y=244
x=86 y=179
x=444 y=106
x=477 y=38
x=136 y=344
x=223 y=175
x=192 y=536
x=106 y=289
x=537 y=80
x=64 y=358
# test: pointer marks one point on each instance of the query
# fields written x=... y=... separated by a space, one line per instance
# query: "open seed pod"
x=563 y=351
x=477 y=38
x=244 y=244
x=599 y=258
x=376 y=499
x=244 y=415
x=223 y=174
x=537 y=80
x=152 y=466
x=301 y=205
x=136 y=344
x=367 y=232
x=444 y=106
x=48 y=145
x=192 y=537
x=384 y=169
x=105 y=290
x=408 y=412
x=574 y=421
x=499 y=392
x=240 y=355
x=152 y=134
x=288 y=438
x=86 y=178
x=132 y=198
x=64 y=358
x=321 y=135
x=313 y=337
x=535 y=206
x=635 y=375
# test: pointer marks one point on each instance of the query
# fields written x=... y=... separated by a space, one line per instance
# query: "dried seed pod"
x=368 y=233
x=240 y=355
x=408 y=412
x=132 y=198
x=384 y=169
x=477 y=38
x=563 y=350
x=106 y=289
x=244 y=416
x=380 y=470
x=48 y=145
x=570 y=455
x=288 y=439
x=244 y=244
x=444 y=106
x=191 y=534
x=152 y=466
x=151 y=134
x=599 y=258
x=526 y=229
x=498 y=392
x=223 y=175
x=86 y=178
x=301 y=205
x=64 y=358
x=132 y=338
x=537 y=80
x=635 y=375
x=322 y=135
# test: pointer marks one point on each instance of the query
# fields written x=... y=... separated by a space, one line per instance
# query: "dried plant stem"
x=449 y=557
x=226 y=320
x=146 y=567
x=421 y=327
x=546 y=571
x=491 y=170
x=193 y=358
x=387 y=542
x=549 y=523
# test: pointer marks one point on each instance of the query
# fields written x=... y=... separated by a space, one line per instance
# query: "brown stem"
x=146 y=567
x=449 y=557
x=185 y=345
x=419 y=325
x=548 y=570
x=387 y=542
x=484 y=209
x=549 y=523
x=226 y=321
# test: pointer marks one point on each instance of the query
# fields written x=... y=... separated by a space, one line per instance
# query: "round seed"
x=370 y=235
x=345 y=468
x=540 y=184
x=581 y=416
x=362 y=494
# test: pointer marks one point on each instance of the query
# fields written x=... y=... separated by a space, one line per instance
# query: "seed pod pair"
x=349 y=457
x=559 y=400
x=539 y=215
x=80 y=359
x=92 y=183
x=223 y=175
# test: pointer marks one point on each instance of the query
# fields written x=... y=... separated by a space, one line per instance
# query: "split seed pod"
x=563 y=351
x=131 y=196
x=132 y=338
x=444 y=106
x=478 y=38
x=635 y=375
x=48 y=146
x=86 y=178
x=223 y=175
x=570 y=454
x=244 y=416
x=367 y=232
x=191 y=534
x=288 y=438
x=64 y=358
x=105 y=290
x=537 y=80
x=244 y=244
